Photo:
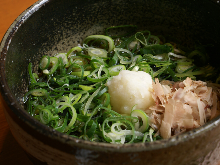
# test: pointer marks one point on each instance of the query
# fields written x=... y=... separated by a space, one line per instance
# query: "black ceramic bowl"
x=52 y=26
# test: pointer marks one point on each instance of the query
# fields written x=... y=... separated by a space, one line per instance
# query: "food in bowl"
x=124 y=88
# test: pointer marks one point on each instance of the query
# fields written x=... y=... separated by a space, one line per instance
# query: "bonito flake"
x=182 y=106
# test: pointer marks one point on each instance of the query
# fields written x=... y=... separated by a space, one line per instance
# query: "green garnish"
x=68 y=93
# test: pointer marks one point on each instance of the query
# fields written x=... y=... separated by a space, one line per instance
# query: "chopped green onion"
x=75 y=49
x=54 y=63
x=63 y=56
x=124 y=60
x=97 y=52
x=114 y=70
x=79 y=74
x=96 y=75
x=143 y=126
x=74 y=114
x=44 y=62
x=108 y=39
x=90 y=100
x=69 y=91
x=32 y=77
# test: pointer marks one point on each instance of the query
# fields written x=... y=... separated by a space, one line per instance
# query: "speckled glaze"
x=52 y=26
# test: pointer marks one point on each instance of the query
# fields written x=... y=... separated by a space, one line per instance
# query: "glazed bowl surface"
x=52 y=26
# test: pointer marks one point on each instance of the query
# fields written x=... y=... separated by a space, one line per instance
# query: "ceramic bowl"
x=52 y=26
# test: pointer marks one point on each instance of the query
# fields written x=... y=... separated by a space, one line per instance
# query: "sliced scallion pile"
x=68 y=92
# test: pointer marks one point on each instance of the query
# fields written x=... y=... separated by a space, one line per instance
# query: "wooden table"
x=10 y=152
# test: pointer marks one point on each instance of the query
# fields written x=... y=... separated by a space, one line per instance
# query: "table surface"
x=10 y=151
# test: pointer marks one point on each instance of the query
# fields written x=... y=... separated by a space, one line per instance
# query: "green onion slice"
x=38 y=92
x=141 y=37
x=54 y=63
x=143 y=126
x=121 y=134
x=124 y=60
x=75 y=49
x=90 y=100
x=97 y=52
x=182 y=68
x=97 y=62
x=64 y=58
x=74 y=114
x=79 y=74
x=75 y=98
x=103 y=37
x=60 y=100
x=97 y=76
x=86 y=88
x=136 y=60
x=105 y=99
x=32 y=75
x=190 y=74
x=45 y=116
x=44 y=62
x=91 y=131
x=114 y=70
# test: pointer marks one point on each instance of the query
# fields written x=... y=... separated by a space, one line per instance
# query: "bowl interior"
x=53 y=26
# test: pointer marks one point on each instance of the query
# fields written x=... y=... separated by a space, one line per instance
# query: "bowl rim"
x=63 y=138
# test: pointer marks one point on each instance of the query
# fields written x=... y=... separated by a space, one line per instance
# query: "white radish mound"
x=129 y=89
